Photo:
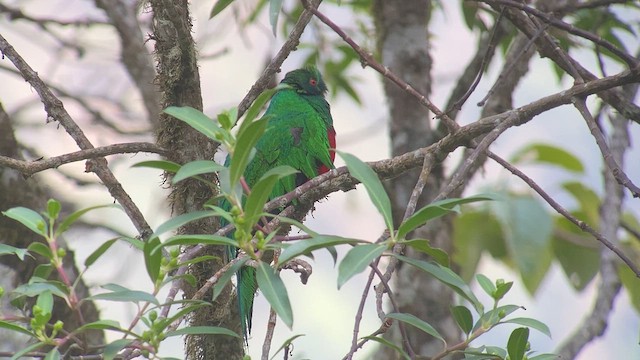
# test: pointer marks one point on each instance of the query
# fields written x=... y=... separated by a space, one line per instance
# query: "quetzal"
x=299 y=134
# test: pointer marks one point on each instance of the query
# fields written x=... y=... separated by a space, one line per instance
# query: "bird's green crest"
x=306 y=81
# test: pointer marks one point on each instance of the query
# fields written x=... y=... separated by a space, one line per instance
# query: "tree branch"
x=28 y=168
x=56 y=112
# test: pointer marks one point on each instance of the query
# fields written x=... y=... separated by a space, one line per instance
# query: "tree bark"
x=180 y=86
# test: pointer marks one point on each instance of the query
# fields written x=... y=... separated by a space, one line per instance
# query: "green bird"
x=299 y=134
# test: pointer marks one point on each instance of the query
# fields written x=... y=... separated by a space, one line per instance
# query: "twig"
x=613 y=166
x=274 y=66
x=56 y=112
x=562 y=211
x=29 y=168
x=557 y=23
x=271 y=326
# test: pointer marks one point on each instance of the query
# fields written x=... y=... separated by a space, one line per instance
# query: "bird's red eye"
x=313 y=82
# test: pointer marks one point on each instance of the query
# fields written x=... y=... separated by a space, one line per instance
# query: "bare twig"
x=274 y=66
x=29 y=168
x=56 y=112
x=609 y=160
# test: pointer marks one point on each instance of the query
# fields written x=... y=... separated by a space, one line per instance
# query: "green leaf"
x=440 y=256
x=447 y=277
x=631 y=284
x=202 y=330
x=493 y=317
x=69 y=220
x=197 y=167
x=26 y=350
x=195 y=239
x=218 y=7
x=53 y=209
x=255 y=108
x=126 y=296
x=180 y=220
x=45 y=302
x=28 y=218
x=587 y=199
x=101 y=325
x=548 y=154
x=517 y=344
x=357 y=259
x=502 y=289
x=361 y=171
x=274 y=10
x=275 y=292
x=97 y=253
x=40 y=249
x=486 y=284
x=247 y=139
x=308 y=245
x=152 y=260
x=226 y=277
x=475 y=232
x=196 y=119
x=436 y=209
x=262 y=190
x=8 y=249
x=285 y=344
x=389 y=344
x=462 y=315
x=113 y=348
x=36 y=288
x=527 y=227
x=168 y=166
x=15 y=328
x=54 y=354
x=532 y=323
x=417 y=323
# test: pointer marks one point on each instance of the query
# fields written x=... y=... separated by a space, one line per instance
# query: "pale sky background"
x=321 y=312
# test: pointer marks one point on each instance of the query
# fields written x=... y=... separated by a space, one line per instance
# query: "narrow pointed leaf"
x=126 y=296
x=440 y=256
x=69 y=220
x=40 y=249
x=168 y=166
x=196 y=119
x=417 y=323
x=29 y=218
x=152 y=260
x=207 y=239
x=219 y=6
x=247 y=139
x=274 y=11
x=447 y=277
x=548 y=154
x=226 y=277
x=197 y=167
x=262 y=190
x=361 y=171
x=486 y=284
x=176 y=222
x=532 y=323
x=309 y=245
x=492 y=317
x=275 y=292
x=202 y=330
x=390 y=345
x=8 y=249
x=255 y=108
x=97 y=253
x=357 y=259
x=437 y=209
x=15 y=328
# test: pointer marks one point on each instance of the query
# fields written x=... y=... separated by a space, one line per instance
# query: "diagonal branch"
x=56 y=112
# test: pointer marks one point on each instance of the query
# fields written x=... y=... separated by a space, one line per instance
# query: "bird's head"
x=306 y=81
